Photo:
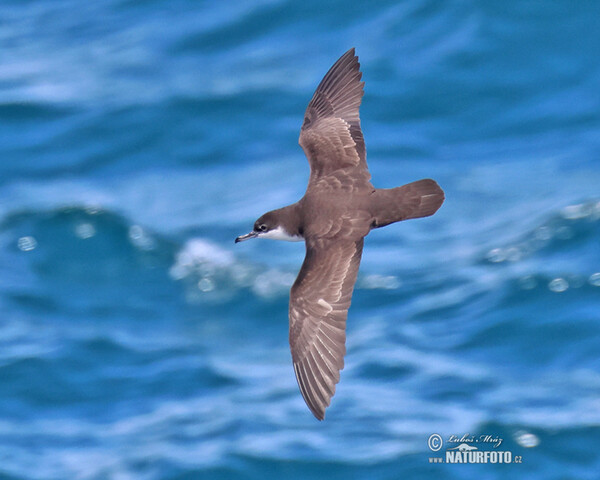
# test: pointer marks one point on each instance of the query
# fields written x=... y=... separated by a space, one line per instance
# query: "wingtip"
x=352 y=53
x=320 y=416
x=340 y=91
x=349 y=54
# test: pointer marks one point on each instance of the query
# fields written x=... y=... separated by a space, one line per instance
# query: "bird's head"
x=272 y=225
x=262 y=227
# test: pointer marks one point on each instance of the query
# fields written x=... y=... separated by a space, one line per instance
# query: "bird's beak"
x=248 y=236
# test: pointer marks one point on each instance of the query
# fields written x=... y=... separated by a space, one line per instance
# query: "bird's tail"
x=414 y=200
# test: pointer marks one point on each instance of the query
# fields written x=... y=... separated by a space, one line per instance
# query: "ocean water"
x=137 y=139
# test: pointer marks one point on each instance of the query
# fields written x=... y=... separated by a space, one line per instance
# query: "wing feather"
x=319 y=302
x=331 y=136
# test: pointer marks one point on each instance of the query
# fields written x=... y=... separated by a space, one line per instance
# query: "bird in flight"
x=339 y=208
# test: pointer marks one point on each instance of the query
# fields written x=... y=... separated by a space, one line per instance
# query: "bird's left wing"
x=319 y=302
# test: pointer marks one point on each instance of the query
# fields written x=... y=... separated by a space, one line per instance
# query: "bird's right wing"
x=319 y=302
x=331 y=136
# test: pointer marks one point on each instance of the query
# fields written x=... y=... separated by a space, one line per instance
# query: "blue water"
x=137 y=139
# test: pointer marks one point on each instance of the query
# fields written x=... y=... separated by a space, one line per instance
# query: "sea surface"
x=138 y=139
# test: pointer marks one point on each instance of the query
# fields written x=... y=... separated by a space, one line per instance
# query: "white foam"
x=197 y=252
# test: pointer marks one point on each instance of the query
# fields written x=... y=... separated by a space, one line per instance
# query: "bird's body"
x=340 y=207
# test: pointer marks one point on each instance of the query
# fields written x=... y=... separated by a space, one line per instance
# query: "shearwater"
x=340 y=207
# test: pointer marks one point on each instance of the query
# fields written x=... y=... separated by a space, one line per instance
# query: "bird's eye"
x=262 y=228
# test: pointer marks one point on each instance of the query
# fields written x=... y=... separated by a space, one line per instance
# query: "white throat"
x=280 y=234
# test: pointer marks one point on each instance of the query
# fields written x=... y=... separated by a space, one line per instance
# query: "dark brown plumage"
x=338 y=210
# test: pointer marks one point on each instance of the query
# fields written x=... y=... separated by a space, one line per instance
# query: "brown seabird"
x=340 y=207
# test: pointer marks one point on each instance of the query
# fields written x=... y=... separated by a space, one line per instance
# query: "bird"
x=339 y=208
